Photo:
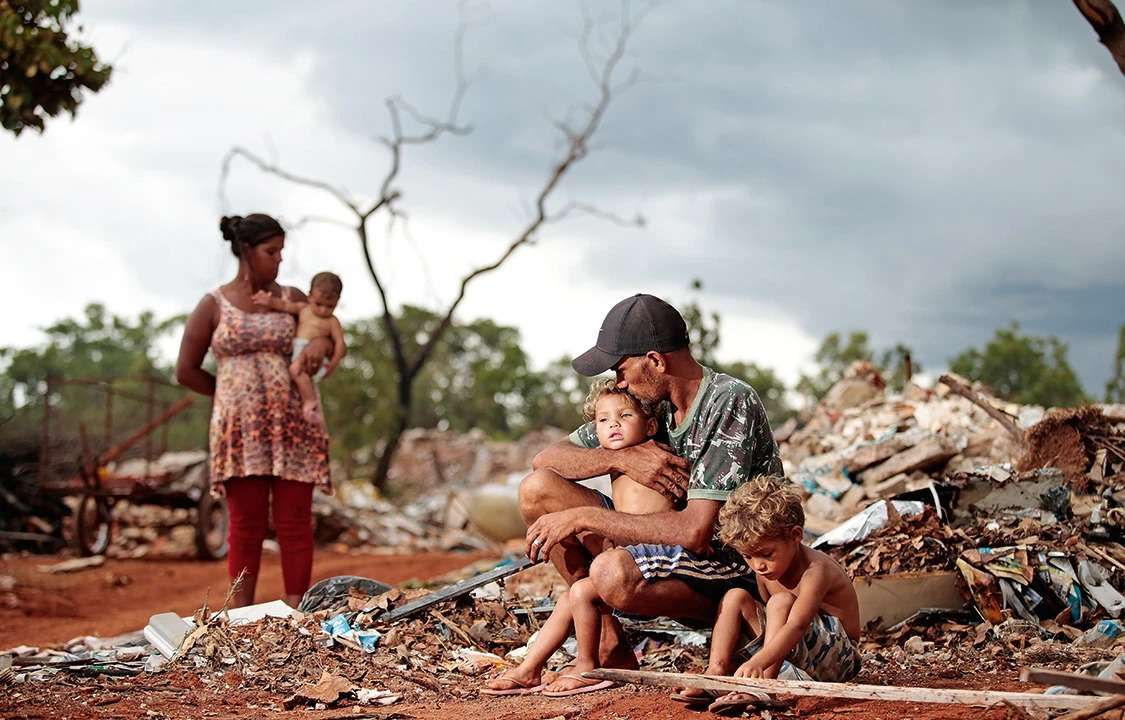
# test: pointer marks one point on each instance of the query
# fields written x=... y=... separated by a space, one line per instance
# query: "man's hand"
x=550 y=529
x=656 y=466
x=751 y=669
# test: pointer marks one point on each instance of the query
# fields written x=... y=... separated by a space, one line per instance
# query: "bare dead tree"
x=576 y=146
x=1106 y=21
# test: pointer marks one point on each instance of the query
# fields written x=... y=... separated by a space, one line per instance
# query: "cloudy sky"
x=924 y=171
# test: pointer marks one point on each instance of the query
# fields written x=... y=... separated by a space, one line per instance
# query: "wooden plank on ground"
x=1103 y=705
x=888 y=693
x=1078 y=681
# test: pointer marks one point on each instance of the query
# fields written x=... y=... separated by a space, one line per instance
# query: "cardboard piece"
x=890 y=599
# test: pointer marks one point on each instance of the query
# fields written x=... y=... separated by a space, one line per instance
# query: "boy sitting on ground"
x=620 y=421
x=807 y=622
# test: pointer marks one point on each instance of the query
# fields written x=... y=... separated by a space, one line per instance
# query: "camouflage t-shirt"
x=725 y=436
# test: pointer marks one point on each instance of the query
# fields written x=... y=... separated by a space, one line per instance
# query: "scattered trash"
x=73 y=565
x=339 y=629
x=333 y=591
x=327 y=690
x=166 y=631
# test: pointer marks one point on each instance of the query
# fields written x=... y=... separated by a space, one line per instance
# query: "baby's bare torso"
x=311 y=326
x=629 y=496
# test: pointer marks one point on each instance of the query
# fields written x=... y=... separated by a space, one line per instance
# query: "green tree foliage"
x=1023 y=369
x=1115 y=388
x=833 y=357
x=43 y=69
x=478 y=378
x=836 y=353
x=101 y=348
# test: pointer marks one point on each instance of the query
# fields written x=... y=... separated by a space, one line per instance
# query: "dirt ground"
x=120 y=596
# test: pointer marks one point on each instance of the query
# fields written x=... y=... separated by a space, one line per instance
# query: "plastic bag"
x=332 y=592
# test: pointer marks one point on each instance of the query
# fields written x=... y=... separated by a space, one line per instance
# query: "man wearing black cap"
x=667 y=563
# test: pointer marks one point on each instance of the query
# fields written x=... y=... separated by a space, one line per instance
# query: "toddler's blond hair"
x=608 y=386
x=764 y=508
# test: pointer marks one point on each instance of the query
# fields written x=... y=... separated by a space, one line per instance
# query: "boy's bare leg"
x=545 y=491
x=552 y=635
x=310 y=405
x=777 y=614
x=587 y=609
x=737 y=610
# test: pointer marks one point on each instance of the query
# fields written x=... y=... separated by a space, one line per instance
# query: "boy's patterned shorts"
x=824 y=654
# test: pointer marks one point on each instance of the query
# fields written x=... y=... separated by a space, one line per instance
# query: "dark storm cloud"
x=926 y=171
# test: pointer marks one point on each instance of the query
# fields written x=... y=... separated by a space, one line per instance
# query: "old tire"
x=211 y=526
x=93 y=525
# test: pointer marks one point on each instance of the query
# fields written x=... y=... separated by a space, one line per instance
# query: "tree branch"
x=273 y=169
x=1106 y=21
x=388 y=317
x=577 y=149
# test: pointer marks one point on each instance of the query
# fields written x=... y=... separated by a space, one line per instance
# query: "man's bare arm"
x=650 y=464
x=692 y=527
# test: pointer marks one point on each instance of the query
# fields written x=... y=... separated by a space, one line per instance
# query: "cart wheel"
x=92 y=525
x=211 y=525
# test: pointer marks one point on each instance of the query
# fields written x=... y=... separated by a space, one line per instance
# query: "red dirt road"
x=121 y=595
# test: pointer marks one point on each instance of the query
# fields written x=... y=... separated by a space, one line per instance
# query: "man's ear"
x=659 y=362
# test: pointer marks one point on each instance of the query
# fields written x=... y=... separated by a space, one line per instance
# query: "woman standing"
x=261 y=447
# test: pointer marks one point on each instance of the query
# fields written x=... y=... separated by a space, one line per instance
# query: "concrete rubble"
x=1018 y=508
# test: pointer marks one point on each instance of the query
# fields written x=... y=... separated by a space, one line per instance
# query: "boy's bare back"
x=823 y=575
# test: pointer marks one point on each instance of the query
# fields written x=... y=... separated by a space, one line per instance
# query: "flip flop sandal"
x=725 y=705
x=708 y=697
x=593 y=686
x=517 y=688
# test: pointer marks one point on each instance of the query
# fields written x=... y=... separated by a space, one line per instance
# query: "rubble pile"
x=858 y=447
x=1025 y=505
x=429 y=461
x=357 y=519
x=343 y=653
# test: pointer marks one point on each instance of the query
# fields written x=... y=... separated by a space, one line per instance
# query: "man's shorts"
x=825 y=653
x=721 y=570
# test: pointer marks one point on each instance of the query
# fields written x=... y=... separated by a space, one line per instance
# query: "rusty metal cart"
x=137 y=468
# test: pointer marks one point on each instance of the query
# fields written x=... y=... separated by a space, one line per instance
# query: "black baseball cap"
x=635 y=326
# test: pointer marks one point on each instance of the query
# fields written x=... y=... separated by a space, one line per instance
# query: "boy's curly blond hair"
x=764 y=508
x=608 y=386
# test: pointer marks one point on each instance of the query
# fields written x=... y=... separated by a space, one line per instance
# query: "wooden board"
x=1077 y=681
x=887 y=693
x=931 y=451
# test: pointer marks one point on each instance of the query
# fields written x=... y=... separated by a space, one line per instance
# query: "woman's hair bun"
x=228 y=226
